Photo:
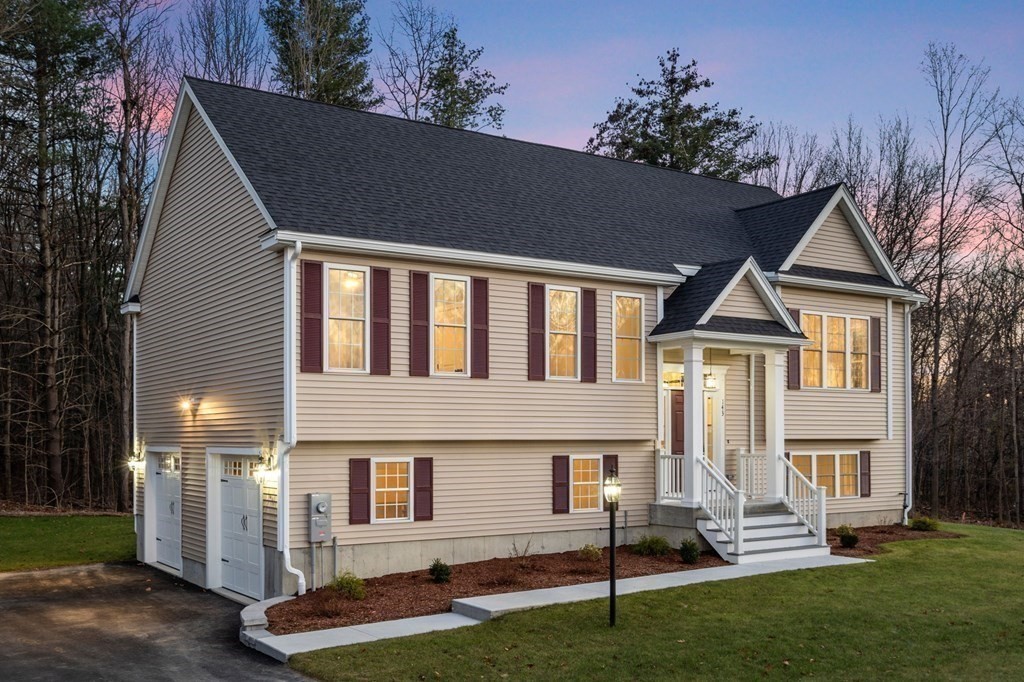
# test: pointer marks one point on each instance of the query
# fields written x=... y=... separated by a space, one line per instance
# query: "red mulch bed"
x=404 y=595
x=871 y=538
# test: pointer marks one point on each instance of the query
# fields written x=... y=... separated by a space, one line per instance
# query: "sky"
x=808 y=64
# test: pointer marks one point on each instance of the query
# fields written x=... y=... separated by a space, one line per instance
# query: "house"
x=363 y=342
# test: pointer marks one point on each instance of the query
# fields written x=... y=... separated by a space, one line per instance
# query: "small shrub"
x=847 y=536
x=924 y=523
x=845 y=529
x=652 y=545
x=440 y=571
x=522 y=557
x=689 y=551
x=349 y=585
x=591 y=553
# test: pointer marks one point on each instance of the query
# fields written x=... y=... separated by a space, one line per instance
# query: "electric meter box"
x=319 y=517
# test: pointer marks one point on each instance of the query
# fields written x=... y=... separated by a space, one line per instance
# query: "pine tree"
x=322 y=48
x=662 y=126
x=459 y=89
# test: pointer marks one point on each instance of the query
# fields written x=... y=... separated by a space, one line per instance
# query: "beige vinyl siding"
x=838 y=413
x=836 y=246
x=336 y=406
x=210 y=325
x=743 y=301
x=480 y=488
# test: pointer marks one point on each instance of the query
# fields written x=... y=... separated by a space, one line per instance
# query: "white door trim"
x=152 y=459
x=214 y=532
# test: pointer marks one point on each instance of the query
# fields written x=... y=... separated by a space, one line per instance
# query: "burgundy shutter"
x=610 y=462
x=560 y=484
x=423 y=496
x=358 y=491
x=311 y=350
x=865 y=473
x=535 y=342
x=480 y=344
x=793 y=357
x=380 y=321
x=419 y=324
x=876 y=355
x=588 y=336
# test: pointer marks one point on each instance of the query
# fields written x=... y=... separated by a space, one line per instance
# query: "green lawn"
x=935 y=609
x=28 y=542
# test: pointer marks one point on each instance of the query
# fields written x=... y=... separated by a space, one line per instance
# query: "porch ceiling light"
x=710 y=382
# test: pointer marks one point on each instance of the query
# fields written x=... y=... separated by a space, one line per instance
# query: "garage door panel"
x=240 y=528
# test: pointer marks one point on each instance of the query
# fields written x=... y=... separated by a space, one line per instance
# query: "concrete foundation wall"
x=869 y=518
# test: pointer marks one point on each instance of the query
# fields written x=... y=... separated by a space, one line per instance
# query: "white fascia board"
x=279 y=239
x=740 y=340
x=687 y=270
x=764 y=290
x=865 y=234
x=133 y=308
x=186 y=101
x=850 y=287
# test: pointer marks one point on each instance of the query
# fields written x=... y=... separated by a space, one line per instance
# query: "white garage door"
x=167 y=489
x=240 y=527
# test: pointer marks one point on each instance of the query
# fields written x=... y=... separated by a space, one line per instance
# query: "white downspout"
x=133 y=319
x=908 y=426
x=288 y=438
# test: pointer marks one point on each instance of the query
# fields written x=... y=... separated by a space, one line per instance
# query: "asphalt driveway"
x=121 y=622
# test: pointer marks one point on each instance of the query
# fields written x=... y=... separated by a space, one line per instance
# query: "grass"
x=936 y=609
x=29 y=542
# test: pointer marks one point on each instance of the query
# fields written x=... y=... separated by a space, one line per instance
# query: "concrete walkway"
x=475 y=610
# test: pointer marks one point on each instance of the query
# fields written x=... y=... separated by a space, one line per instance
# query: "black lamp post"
x=612 y=492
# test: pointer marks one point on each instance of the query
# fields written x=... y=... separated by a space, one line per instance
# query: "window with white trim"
x=837 y=472
x=585 y=483
x=563 y=332
x=628 y=327
x=450 y=315
x=839 y=355
x=348 y=305
x=392 y=490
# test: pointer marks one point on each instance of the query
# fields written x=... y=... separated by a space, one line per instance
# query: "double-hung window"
x=392 y=490
x=585 y=494
x=838 y=356
x=838 y=473
x=347 y=307
x=627 y=351
x=450 y=310
x=563 y=332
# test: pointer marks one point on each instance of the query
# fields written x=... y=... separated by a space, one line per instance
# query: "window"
x=839 y=354
x=450 y=322
x=392 y=483
x=563 y=333
x=811 y=369
x=347 y=310
x=838 y=473
x=586 y=483
x=628 y=358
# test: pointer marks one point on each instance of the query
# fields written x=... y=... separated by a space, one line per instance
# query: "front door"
x=167 y=492
x=677 y=425
x=240 y=527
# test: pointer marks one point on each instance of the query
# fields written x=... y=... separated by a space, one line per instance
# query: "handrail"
x=805 y=501
x=722 y=502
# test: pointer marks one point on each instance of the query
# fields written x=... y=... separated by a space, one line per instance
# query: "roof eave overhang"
x=277 y=240
x=723 y=338
x=849 y=287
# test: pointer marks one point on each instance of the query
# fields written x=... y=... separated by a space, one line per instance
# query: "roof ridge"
x=832 y=188
x=476 y=132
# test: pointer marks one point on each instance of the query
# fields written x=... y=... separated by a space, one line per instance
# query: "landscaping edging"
x=475 y=610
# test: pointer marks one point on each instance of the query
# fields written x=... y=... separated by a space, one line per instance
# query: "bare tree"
x=1007 y=162
x=412 y=50
x=222 y=40
x=798 y=164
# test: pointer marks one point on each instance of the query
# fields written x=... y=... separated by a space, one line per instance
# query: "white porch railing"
x=805 y=501
x=670 y=476
x=753 y=473
x=721 y=502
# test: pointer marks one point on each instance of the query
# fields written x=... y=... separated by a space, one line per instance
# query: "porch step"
x=766 y=537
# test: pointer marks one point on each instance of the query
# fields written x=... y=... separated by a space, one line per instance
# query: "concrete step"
x=756 y=556
x=782 y=542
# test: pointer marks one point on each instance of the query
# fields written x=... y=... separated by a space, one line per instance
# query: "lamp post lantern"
x=612 y=492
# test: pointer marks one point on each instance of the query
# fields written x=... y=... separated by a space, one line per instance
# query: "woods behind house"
x=86 y=92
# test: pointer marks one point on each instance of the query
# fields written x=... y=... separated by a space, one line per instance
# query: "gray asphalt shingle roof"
x=775 y=228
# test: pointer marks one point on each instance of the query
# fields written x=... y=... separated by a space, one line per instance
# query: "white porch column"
x=775 y=421
x=693 y=426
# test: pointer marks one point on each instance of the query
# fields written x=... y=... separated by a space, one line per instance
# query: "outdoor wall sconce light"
x=191 y=404
x=265 y=466
x=612 y=492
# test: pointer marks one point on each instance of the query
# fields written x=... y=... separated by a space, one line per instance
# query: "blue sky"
x=810 y=64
